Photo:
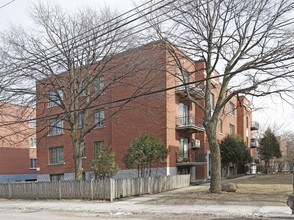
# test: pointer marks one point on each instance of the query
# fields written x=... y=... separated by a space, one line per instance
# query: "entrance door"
x=183 y=114
x=184 y=147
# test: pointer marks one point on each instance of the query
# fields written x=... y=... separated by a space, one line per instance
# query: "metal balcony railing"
x=191 y=157
x=190 y=122
x=195 y=91
x=254 y=125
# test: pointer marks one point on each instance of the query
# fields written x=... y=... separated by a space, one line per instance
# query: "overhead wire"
x=49 y=56
x=7 y=4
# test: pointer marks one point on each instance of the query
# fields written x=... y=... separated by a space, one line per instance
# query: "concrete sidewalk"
x=136 y=206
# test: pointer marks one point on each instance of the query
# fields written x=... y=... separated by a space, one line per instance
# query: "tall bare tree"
x=71 y=58
x=250 y=42
x=289 y=154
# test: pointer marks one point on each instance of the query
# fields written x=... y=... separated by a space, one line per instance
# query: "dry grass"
x=257 y=190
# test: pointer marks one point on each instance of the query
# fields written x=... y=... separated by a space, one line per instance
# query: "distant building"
x=18 y=161
x=168 y=115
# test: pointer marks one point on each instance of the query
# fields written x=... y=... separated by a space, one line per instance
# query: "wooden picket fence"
x=92 y=189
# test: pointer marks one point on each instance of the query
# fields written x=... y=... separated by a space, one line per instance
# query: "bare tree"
x=72 y=59
x=251 y=42
x=289 y=154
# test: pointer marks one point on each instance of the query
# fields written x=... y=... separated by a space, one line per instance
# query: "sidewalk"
x=135 y=206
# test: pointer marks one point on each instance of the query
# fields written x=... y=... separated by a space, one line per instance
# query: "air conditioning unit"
x=196 y=144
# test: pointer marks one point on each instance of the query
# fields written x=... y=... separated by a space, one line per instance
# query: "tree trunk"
x=78 y=162
x=216 y=182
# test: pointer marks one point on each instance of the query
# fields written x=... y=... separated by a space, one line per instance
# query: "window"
x=98 y=85
x=183 y=79
x=56 y=155
x=83 y=146
x=32 y=142
x=232 y=129
x=55 y=127
x=99 y=118
x=81 y=119
x=56 y=177
x=212 y=102
x=32 y=123
x=183 y=114
x=33 y=163
x=97 y=146
x=220 y=126
x=247 y=122
x=184 y=147
x=232 y=108
x=55 y=97
x=82 y=89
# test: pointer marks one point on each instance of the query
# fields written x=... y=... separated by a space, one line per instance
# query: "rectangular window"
x=55 y=97
x=232 y=108
x=83 y=146
x=56 y=127
x=56 y=155
x=184 y=147
x=220 y=126
x=32 y=123
x=184 y=117
x=212 y=102
x=97 y=145
x=32 y=142
x=99 y=118
x=56 y=177
x=232 y=129
x=81 y=119
x=98 y=85
x=247 y=122
x=82 y=89
x=33 y=163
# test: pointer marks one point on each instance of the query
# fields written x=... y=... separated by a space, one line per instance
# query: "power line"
x=6 y=4
x=103 y=34
x=52 y=116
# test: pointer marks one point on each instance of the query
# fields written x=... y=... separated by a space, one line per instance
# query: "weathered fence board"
x=92 y=189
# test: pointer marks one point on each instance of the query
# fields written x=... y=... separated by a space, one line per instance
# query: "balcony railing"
x=191 y=157
x=254 y=126
x=195 y=91
x=189 y=122
x=254 y=143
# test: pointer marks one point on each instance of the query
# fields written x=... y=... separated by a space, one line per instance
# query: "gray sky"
x=273 y=112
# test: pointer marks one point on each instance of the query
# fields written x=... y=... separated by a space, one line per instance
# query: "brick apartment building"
x=168 y=115
x=17 y=144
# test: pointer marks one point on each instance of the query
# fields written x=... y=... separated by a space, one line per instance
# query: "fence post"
x=111 y=190
x=9 y=190
x=59 y=189
x=92 y=190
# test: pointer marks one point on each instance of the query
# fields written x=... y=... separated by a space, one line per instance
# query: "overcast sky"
x=272 y=112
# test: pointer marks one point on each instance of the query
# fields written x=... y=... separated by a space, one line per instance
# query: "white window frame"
x=99 y=118
x=56 y=155
x=232 y=108
x=97 y=146
x=33 y=163
x=32 y=142
x=56 y=127
x=55 y=97
x=32 y=122
x=99 y=85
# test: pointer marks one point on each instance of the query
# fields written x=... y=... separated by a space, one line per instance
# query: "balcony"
x=191 y=158
x=193 y=90
x=254 y=126
x=254 y=143
x=189 y=123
